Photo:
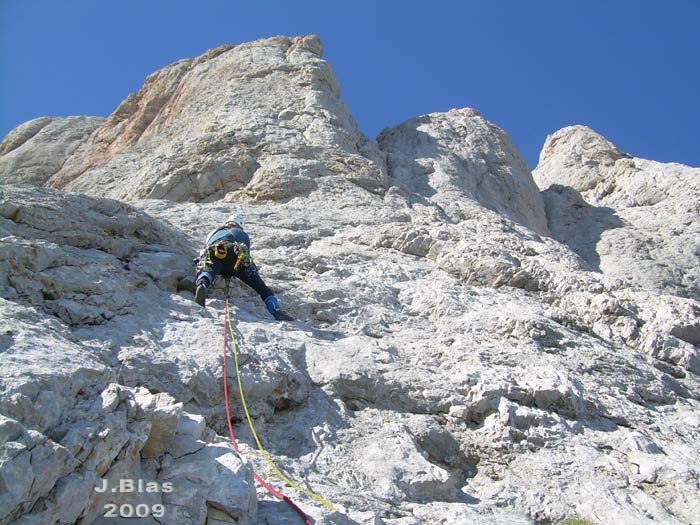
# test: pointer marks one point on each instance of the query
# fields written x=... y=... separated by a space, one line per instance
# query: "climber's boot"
x=281 y=315
x=273 y=306
x=200 y=296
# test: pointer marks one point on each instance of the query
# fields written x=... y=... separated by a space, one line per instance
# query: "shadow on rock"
x=578 y=224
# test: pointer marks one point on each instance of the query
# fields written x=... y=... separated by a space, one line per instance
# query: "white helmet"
x=237 y=219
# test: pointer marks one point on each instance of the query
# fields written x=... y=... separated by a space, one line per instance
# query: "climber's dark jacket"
x=219 y=258
x=232 y=234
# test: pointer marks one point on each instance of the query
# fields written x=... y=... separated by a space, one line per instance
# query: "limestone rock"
x=258 y=121
x=454 y=158
x=35 y=151
x=630 y=218
x=164 y=424
x=410 y=474
x=76 y=252
x=581 y=159
x=210 y=482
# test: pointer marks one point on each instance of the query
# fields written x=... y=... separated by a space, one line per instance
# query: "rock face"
x=627 y=217
x=257 y=121
x=458 y=356
x=37 y=150
x=71 y=263
x=459 y=160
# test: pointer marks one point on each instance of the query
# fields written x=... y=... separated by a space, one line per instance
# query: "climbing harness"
x=221 y=251
x=228 y=327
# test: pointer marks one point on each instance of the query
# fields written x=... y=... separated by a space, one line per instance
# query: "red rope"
x=265 y=485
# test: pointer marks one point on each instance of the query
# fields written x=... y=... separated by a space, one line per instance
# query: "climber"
x=227 y=253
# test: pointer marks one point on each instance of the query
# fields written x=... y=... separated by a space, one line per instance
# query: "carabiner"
x=220 y=251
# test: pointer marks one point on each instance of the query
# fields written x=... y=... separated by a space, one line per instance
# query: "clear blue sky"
x=630 y=69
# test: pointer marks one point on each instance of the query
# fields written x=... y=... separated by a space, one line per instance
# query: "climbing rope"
x=271 y=464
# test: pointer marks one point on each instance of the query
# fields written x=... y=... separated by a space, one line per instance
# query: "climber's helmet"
x=238 y=220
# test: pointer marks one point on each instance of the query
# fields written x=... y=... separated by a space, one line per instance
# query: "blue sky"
x=630 y=69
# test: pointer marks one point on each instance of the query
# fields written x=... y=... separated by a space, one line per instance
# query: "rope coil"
x=228 y=327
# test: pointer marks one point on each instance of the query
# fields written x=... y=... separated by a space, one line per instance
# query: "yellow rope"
x=284 y=478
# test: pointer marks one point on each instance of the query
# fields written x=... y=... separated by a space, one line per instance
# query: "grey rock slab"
x=629 y=218
x=35 y=151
